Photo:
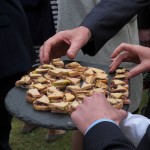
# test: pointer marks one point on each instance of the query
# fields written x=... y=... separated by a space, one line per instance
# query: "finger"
x=123 y=115
x=48 y=46
x=136 y=70
x=123 y=47
x=117 y=61
x=41 y=54
x=74 y=49
x=46 y=52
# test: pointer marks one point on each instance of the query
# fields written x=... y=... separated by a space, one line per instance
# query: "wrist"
x=86 y=32
x=99 y=121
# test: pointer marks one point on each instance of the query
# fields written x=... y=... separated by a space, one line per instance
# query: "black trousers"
x=5 y=118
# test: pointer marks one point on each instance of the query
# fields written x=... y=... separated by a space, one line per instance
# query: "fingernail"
x=71 y=55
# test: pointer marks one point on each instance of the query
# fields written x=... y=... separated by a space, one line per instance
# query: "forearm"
x=108 y=17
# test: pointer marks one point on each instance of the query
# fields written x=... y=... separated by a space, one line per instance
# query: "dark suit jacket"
x=107 y=18
x=143 y=18
x=40 y=19
x=16 y=53
x=108 y=136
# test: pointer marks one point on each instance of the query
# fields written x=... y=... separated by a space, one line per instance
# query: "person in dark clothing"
x=96 y=29
x=17 y=57
x=101 y=127
x=41 y=24
x=144 y=38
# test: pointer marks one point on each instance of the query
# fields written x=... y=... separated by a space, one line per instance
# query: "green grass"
x=144 y=100
x=35 y=140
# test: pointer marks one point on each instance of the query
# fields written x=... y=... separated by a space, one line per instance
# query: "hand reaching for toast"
x=131 y=53
x=67 y=42
x=94 y=108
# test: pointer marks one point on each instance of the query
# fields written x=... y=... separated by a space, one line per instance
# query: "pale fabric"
x=70 y=15
x=134 y=127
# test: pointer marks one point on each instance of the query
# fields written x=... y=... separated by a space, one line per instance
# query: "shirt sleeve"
x=134 y=127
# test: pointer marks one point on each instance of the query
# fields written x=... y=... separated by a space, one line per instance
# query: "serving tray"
x=18 y=106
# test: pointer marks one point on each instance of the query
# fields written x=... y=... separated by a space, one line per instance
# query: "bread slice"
x=58 y=63
x=55 y=73
x=90 y=79
x=100 y=84
x=118 y=82
x=42 y=103
x=61 y=82
x=88 y=72
x=119 y=88
x=33 y=74
x=61 y=107
x=56 y=95
x=116 y=95
x=73 y=80
x=33 y=92
x=116 y=103
x=96 y=70
x=39 y=86
x=73 y=88
x=74 y=73
x=121 y=71
x=41 y=70
x=81 y=69
x=69 y=97
x=86 y=86
x=120 y=76
x=102 y=76
x=72 y=65
x=40 y=80
x=32 y=95
x=47 y=66
x=25 y=80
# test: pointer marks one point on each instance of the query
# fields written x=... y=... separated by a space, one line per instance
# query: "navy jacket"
x=107 y=18
x=16 y=53
x=40 y=19
x=108 y=136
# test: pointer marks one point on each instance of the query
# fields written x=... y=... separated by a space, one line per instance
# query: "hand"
x=94 y=108
x=144 y=37
x=67 y=42
x=131 y=53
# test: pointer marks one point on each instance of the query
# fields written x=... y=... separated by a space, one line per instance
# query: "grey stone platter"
x=17 y=105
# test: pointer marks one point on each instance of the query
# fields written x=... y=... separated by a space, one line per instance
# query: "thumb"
x=123 y=114
x=73 y=50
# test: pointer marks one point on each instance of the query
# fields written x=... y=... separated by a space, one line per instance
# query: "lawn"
x=35 y=140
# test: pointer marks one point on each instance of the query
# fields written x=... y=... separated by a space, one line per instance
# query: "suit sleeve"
x=143 y=18
x=106 y=135
x=107 y=18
